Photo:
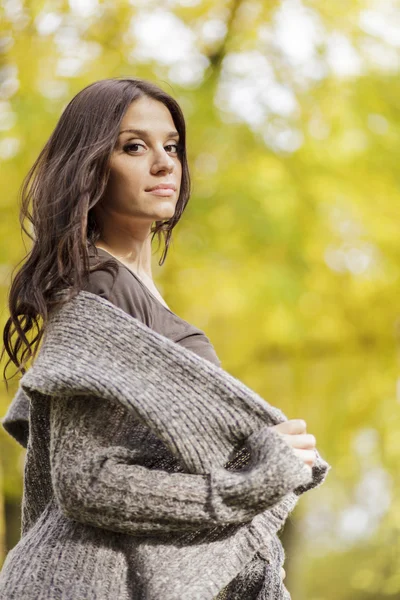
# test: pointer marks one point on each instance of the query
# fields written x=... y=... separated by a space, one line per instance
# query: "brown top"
x=134 y=297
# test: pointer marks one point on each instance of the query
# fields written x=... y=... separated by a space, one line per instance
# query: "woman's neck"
x=137 y=259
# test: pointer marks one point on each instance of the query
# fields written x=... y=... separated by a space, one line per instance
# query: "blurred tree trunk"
x=12 y=511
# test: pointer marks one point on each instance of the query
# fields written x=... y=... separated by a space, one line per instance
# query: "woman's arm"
x=101 y=484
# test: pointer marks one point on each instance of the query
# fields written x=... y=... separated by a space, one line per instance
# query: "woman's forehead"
x=148 y=115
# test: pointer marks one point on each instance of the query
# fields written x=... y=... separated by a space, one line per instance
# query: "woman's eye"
x=176 y=146
x=129 y=147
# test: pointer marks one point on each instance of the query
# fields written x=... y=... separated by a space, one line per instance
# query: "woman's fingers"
x=303 y=440
x=283 y=573
x=304 y=444
x=291 y=427
x=307 y=456
x=299 y=440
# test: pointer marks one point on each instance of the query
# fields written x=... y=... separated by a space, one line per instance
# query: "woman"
x=150 y=471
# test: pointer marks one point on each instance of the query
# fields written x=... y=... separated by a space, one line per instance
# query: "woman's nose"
x=163 y=161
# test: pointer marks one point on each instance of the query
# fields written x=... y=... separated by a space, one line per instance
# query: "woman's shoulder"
x=119 y=287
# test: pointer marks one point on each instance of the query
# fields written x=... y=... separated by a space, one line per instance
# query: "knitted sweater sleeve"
x=100 y=483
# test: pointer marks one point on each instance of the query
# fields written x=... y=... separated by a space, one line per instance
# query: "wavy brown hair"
x=67 y=180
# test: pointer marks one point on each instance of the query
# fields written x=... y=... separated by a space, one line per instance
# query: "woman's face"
x=141 y=160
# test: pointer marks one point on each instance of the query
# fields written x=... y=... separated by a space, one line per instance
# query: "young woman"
x=120 y=501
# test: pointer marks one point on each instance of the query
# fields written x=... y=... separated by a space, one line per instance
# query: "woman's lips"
x=162 y=192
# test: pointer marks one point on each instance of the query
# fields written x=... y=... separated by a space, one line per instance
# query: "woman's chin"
x=165 y=211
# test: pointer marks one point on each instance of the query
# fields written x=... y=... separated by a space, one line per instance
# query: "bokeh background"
x=288 y=255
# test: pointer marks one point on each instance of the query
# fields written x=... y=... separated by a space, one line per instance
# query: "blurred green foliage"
x=288 y=253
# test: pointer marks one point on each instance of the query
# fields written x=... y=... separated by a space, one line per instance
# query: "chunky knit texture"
x=150 y=472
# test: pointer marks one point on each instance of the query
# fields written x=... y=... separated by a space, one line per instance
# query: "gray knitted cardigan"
x=150 y=472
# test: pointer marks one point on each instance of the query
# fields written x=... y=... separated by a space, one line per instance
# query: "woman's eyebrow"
x=145 y=133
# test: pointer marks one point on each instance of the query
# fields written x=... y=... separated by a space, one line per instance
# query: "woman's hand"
x=294 y=432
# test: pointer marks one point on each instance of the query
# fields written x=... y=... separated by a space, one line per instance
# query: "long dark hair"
x=66 y=181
